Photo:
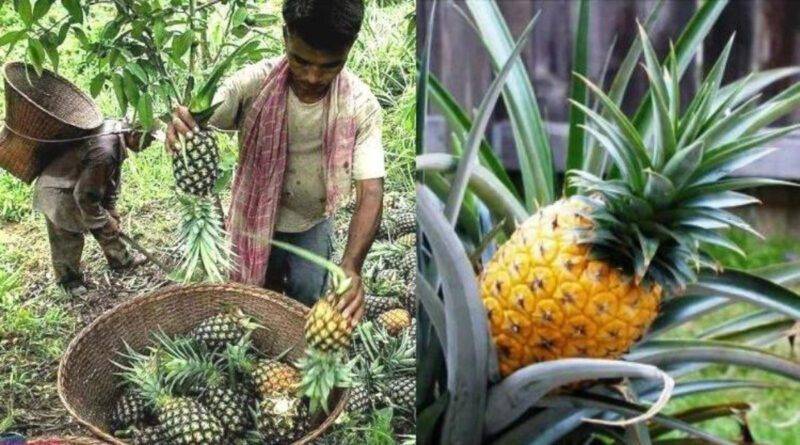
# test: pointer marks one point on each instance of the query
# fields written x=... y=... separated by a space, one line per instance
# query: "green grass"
x=773 y=418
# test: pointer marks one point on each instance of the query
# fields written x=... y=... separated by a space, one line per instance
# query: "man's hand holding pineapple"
x=307 y=129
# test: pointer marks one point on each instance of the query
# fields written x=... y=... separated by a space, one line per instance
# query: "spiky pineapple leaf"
x=475 y=135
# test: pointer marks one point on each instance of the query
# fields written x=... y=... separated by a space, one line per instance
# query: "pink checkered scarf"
x=258 y=183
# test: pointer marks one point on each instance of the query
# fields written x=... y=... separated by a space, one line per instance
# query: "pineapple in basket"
x=327 y=333
x=182 y=419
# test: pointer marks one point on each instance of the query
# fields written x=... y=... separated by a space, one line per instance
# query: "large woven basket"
x=86 y=381
x=46 y=107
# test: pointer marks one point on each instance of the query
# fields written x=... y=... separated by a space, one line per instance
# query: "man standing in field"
x=77 y=193
x=307 y=129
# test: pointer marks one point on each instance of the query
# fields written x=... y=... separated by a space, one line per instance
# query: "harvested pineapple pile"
x=211 y=386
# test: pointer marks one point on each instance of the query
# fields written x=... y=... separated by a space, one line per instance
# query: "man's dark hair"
x=327 y=25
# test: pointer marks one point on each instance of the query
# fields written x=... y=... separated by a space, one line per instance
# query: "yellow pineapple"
x=395 y=320
x=326 y=328
x=547 y=298
x=271 y=377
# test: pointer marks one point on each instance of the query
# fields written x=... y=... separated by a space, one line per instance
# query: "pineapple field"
x=210 y=384
x=625 y=299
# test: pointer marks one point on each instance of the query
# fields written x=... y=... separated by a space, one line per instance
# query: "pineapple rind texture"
x=196 y=168
x=547 y=298
x=275 y=378
x=326 y=328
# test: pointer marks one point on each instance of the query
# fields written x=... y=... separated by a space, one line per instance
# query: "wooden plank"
x=782 y=164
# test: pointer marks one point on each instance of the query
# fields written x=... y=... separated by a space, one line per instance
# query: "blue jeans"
x=296 y=277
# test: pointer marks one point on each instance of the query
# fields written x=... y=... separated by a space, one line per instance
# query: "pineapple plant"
x=580 y=285
x=183 y=419
x=394 y=321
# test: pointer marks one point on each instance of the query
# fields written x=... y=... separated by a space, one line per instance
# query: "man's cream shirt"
x=303 y=202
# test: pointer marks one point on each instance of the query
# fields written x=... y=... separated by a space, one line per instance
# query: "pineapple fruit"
x=326 y=328
x=130 y=409
x=359 y=400
x=223 y=329
x=196 y=168
x=275 y=378
x=402 y=392
x=374 y=305
x=395 y=320
x=184 y=420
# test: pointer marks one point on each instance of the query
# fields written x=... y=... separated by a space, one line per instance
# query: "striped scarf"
x=262 y=162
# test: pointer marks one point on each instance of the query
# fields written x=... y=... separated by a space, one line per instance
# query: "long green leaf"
x=595 y=158
x=524 y=388
x=580 y=64
x=530 y=136
x=663 y=353
x=690 y=39
x=460 y=121
x=483 y=184
x=475 y=136
x=626 y=408
x=465 y=323
x=434 y=307
x=744 y=286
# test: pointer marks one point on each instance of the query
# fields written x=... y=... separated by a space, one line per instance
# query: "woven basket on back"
x=46 y=107
x=86 y=381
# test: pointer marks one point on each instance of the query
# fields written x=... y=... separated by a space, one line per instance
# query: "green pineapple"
x=222 y=329
x=281 y=419
x=374 y=305
x=196 y=168
x=184 y=420
x=360 y=400
x=149 y=435
x=131 y=408
x=405 y=224
x=402 y=392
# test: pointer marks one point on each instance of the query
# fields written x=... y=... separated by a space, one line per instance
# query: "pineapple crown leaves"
x=341 y=282
x=144 y=375
x=207 y=254
x=187 y=363
x=658 y=211
x=321 y=374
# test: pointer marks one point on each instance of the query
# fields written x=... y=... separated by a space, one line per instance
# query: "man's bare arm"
x=363 y=228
